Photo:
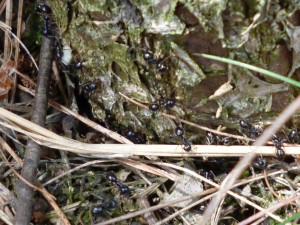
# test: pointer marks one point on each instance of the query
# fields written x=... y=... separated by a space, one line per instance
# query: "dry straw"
x=47 y=138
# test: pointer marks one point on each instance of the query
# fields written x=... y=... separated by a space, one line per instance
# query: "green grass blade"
x=254 y=68
x=290 y=219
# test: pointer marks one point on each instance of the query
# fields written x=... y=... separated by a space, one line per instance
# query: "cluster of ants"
x=246 y=128
x=63 y=55
x=45 y=11
x=124 y=190
x=166 y=102
x=253 y=132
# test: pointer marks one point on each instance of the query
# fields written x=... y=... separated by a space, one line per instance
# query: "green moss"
x=110 y=38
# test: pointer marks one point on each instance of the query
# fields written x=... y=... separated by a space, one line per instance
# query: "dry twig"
x=32 y=155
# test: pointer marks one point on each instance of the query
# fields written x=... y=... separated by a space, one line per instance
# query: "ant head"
x=42 y=8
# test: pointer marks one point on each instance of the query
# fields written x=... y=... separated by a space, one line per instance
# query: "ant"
x=213 y=139
x=124 y=189
x=47 y=28
x=202 y=208
x=278 y=145
x=249 y=129
x=154 y=107
x=45 y=11
x=99 y=209
x=111 y=177
x=77 y=66
x=135 y=138
x=162 y=103
x=160 y=66
x=186 y=145
x=226 y=140
x=179 y=131
x=88 y=88
x=260 y=162
x=149 y=57
x=42 y=8
x=294 y=136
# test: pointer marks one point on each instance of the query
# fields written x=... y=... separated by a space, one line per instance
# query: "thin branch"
x=32 y=155
x=86 y=121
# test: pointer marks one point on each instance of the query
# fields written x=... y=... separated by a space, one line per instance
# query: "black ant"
x=249 y=129
x=111 y=177
x=135 y=138
x=149 y=57
x=226 y=140
x=64 y=55
x=88 y=88
x=186 y=145
x=162 y=103
x=58 y=49
x=78 y=65
x=160 y=66
x=260 y=163
x=45 y=11
x=100 y=208
x=293 y=136
x=167 y=102
x=278 y=145
x=212 y=139
x=42 y=8
x=124 y=189
x=202 y=208
x=47 y=28
x=111 y=204
x=179 y=131
x=154 y=107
